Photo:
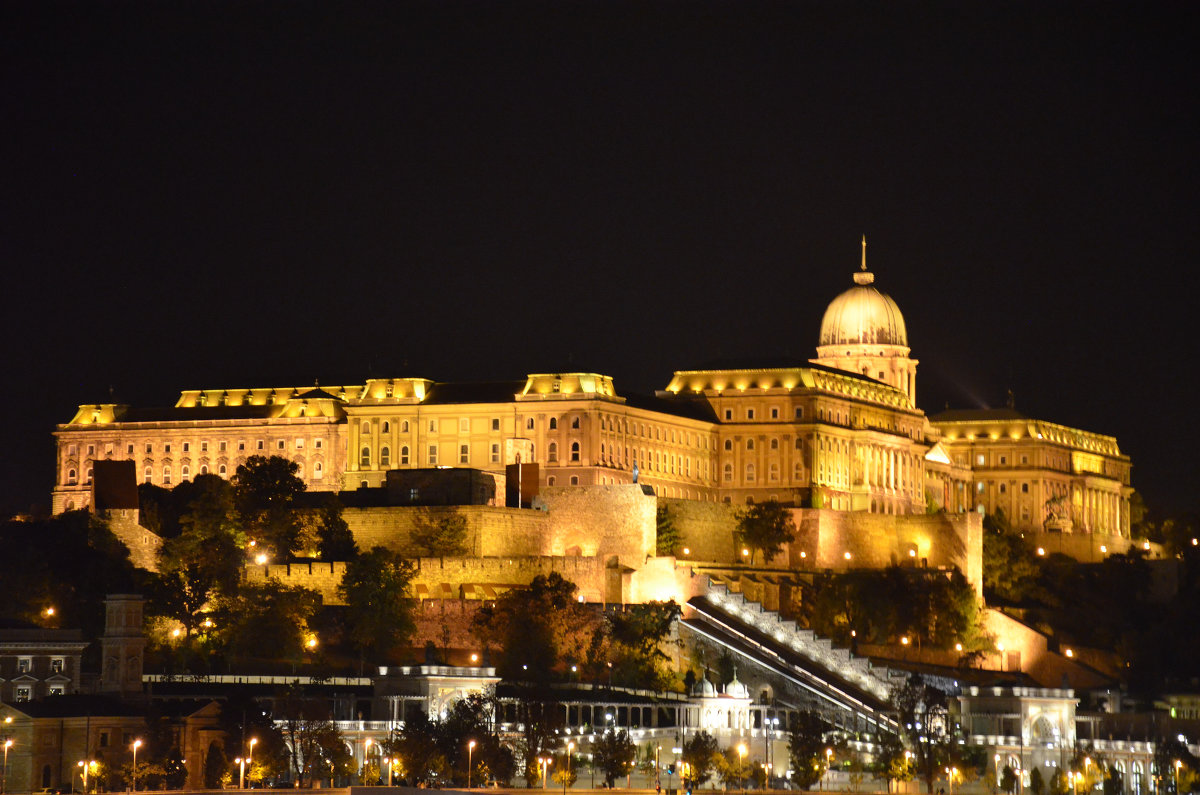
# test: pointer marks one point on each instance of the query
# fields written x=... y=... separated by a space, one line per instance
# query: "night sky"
x=263 y=194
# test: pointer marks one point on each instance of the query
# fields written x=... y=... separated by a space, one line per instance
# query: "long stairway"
x=832 y=678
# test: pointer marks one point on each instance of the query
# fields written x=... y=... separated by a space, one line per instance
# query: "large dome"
x=863 y=316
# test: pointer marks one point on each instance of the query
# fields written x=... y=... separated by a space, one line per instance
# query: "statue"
x=635 y=471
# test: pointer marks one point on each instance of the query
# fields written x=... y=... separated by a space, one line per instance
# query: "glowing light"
x=687 y=551
x=1041 y=551
x=311 y=642
x=474 y=658
x=261 y=558
x=958 y=647
x=803 y=554
x=745 y=552
x=1146 y=545
x=846 y=555
x=1103 y=548
x=912 y=553
x=904 y=640
x=1070 y=653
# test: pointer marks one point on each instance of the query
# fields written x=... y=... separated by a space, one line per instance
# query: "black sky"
x=260 y=194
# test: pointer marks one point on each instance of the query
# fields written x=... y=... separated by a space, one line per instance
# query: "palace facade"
x=840 y=431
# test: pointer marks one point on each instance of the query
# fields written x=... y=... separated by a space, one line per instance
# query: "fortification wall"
x=1089 y=547
x=490 y=530
x=143 y=545
x=706 y=529
x=604 y=521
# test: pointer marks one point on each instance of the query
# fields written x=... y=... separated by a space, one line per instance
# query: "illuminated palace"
x=841 y=431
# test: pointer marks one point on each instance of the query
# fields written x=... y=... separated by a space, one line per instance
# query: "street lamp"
x=470 y=751
x=657 y=779
x=250 y=756
x=741 y=749
x=545 y=762
x=136 y=745
x=567 y=775
x=7 y=744
x=86 y=767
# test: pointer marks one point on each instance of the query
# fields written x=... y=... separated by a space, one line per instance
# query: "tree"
x=892 y=763
x=668 y=538
x=216 y=766
x=925 y=720
x=1037 y=784
x=732 y=767
x=417 y=747
x=537 y=629
x=765 y=527
x=204 y=559
x=265 y=492
x=318 y=748
x=376 y=587
x=1010 y=568
x=699 y=755
x=806 y=749
x=334 y=539
x=439 y=536
x=267 y=620
x=614 y=754
x=637 y=634
x=1008 y=779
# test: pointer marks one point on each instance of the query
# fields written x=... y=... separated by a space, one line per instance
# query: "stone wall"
x=490 y=530
x=605 y=521
x=824 y=537
x=143 y=545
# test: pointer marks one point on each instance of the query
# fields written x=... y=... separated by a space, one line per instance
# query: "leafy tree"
x=416 y=745
x=668 y=538
x=439 y=535
x=537 y=628
x=806 y=749
x=334 y=539
x=1010 y=568
x=732 y=767
x=204 y=559
x=614 y=754
x=267 y=620
x=1008 y=779
x=1037 y=784
x=318 y=748
x=892 y=763
x=699 y=755
x=925 y=720
x=541 y=717
x=376 y=587
x=265 y=492
x=637 y=634
x=216 y=766
x=174 y=772
x=765 y=527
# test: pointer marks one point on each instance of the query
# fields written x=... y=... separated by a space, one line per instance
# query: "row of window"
x=385 y=455
x=750 y=473
x=25 y=665
x=773 y=413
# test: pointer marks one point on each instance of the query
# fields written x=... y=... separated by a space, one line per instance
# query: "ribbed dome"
x=863 y=315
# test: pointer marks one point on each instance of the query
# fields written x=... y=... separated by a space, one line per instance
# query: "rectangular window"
x=91 y=449
x=774 y=413
x=529 y=424
x=204 y=447
x=729 y=414
x=166 y=448
x=221 y=446
x=432 y=454
x=281 y=444
x=749 y=414
x=22 y=693
x=1003 y=460
x=464 y=424
x=56 y=665
x=299 y=444
x=129 y=450
x=72 y=449
x=1024 y=488
x=317 y=444
x=799 y=413
x=464 y=454
x=149 y=448
x=980 y=459
x=108 y=449
x=433 y=426
x=1024 y=459
x=24 y=665
x=260 y=445
x=55 y=690
x=495 y=454
x=495 y=424
x=187 y=447
x=103 y=739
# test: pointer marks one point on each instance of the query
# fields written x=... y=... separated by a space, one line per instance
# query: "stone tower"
x=122 y=645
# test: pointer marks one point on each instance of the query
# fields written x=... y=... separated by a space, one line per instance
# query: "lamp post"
x=545 y=761
x=567 y=775
x=250 y=757
x=86 y=767
x=470 y=752
x=741 y=749
x=1178 y=764
x=828 y=761
x=136 y=745
x=8 y=743
x=657 y=779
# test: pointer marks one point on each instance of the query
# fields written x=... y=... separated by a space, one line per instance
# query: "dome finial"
x=864 y=261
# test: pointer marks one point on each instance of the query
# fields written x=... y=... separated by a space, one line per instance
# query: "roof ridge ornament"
x=864 y=254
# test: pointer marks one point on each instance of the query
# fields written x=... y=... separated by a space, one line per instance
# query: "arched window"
x=148 y=474
x=554 y=423
x=575 y=452
x=574 y=480
x=404 y=455
x=728 y=473
x=385 y=457
x=87 y=475
x=729 y=445
x=387 y=426
x=318 y=470
x=552 y=453
x=749 y=473
x=185 y=472
x=364 y=458
x=366 y=427
x=575 y=423
x=166 y=476
x=221 y=470
x=773 y=473
x=774 y=444
x=404 y=426
x=749 y=444
x=300 y=471
x=204 y=469
x=71 y=477
x=550 y=481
